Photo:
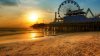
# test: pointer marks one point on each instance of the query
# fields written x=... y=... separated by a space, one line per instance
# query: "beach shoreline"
x=69 y=44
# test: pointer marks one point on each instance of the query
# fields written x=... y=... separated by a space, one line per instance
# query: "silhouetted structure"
x=41 y=25
x=72 y=19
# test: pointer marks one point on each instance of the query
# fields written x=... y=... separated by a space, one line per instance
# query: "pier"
x=73 y=20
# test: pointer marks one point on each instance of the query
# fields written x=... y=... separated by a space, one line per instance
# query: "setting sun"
x=33 y=17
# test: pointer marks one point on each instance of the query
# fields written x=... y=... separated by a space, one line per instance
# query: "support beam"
x=89 y=10
x=55 y=17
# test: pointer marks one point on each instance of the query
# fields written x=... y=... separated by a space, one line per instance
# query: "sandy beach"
x=69 y=44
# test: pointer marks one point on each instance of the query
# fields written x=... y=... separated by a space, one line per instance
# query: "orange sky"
x=13 y=12
x=14 y=17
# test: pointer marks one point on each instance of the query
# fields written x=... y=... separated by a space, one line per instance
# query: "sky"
x=13 y=12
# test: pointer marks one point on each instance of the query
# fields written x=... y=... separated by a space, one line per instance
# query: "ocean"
x=7 y=36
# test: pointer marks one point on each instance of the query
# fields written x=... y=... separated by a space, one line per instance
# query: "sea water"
x=7 y=36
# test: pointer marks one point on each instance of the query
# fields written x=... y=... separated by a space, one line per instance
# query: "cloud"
x=9 y=2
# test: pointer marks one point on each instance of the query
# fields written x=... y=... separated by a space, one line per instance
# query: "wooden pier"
x=73 y=27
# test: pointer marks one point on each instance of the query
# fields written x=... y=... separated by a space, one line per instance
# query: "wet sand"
x=69 y=44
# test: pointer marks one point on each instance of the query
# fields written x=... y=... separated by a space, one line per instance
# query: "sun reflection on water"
x=33 y=36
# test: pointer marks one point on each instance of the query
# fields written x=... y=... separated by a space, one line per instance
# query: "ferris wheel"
x=67 y=6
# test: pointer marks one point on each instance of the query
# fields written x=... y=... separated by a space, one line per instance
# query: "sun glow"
x=33 y=17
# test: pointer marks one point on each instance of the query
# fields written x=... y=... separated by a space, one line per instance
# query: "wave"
x=5 y=33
